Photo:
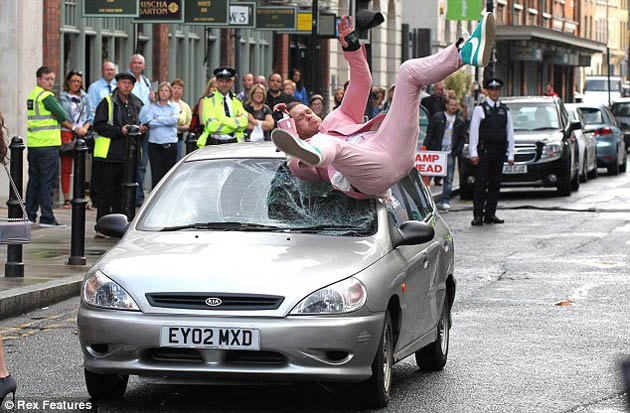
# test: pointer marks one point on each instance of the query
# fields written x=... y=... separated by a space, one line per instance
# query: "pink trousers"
x=377 y=163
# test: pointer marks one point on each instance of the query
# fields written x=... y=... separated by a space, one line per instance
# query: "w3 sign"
x=431 y=163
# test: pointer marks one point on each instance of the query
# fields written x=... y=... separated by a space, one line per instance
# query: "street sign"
x=304 y=22
x=110 y=8
x=326 y=26
x=160 y=11
x=281 y=18
x=243 y=15
x=206 y=12
x=431 y=163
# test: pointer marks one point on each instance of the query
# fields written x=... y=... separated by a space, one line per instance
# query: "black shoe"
x=477 y=221
x=494 y=220
x=7 y=385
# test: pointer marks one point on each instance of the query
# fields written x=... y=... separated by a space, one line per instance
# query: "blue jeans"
x=43 y=175
x=143 y=159
x=448 y=180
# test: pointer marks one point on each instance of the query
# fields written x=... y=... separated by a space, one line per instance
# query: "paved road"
x=512 y=347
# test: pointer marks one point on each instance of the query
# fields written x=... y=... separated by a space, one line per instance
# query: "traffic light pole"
x=488 y=72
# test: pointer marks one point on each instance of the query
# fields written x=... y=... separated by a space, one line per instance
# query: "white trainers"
x=296 y=147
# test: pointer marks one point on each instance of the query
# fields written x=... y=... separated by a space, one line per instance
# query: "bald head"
x=108 y=70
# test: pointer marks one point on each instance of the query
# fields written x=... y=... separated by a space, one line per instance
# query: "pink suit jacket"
x=347 y=119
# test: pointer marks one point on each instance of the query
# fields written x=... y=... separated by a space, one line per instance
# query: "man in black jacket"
x=114 y=114
x=446 y=132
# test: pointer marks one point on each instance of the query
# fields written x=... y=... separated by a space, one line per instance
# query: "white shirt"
x=478 y=116
x=447 y=139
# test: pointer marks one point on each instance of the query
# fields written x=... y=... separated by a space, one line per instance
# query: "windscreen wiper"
x=545 y=128
x=328 y=228
x=225 y=226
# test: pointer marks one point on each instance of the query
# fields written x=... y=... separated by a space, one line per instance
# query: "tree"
x=460 y=82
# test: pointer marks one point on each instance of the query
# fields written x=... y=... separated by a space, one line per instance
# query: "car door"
x=420 y=264
x=610 y=120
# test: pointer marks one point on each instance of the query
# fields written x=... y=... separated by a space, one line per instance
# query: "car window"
x=592 y=116
x=610 y=118
x=410 y=200
x=255 y=192
x=601 y=85
x=528 y=116
x=564 y=115
x=621 y=109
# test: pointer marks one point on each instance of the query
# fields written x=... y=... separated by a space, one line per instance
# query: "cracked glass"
x=254 y=195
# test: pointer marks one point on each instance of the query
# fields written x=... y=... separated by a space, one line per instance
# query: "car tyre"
x=106 y=386
x=376 y=392
x=613 y=168
x=584 y=172
x=433 y=357
x=593 y=173
x=624 y=165
x=575 y=182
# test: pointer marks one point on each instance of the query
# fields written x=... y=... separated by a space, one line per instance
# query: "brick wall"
x=51 y=44
x=227 y=48
x=281 y=55
x=160 y=52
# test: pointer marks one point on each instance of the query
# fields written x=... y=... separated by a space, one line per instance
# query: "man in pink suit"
x=365 y=159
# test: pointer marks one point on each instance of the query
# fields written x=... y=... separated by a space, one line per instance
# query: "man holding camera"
x=113 y=117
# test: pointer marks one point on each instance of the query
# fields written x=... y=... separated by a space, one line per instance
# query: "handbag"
x=69 y=146
x=15 y=230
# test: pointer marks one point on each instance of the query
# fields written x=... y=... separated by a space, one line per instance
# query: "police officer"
x=114 y=114
x=222 y=113
x=491 y=138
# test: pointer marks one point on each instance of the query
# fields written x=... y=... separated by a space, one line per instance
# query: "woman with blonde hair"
x=288 y=87
x=185 y=115
x=260 y=123
x=211 y=86
x=161 y=118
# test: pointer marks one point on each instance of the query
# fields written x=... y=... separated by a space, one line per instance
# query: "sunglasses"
x=75 y=72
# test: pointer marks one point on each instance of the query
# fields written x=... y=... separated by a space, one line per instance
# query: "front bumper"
x=538 y=174
x=321 y=348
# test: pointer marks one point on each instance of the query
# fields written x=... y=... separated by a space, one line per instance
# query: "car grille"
x=180 y=355
x=524 y=153
x=197 y=301
x=254 y=357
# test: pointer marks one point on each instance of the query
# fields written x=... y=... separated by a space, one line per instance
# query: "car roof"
x=236 y=150
x=589 y=105
x=533 y=99
x=622 y=100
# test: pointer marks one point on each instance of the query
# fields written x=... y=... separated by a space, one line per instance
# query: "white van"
x=596 y=90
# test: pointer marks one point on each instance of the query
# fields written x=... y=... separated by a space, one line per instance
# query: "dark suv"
x=545 y=148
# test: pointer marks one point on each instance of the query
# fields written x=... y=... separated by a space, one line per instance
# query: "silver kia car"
x=235 y=271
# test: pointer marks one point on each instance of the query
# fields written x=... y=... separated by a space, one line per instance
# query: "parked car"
x=545 y=148
x=587 y=145
x=254 y=275
x=611 y=150
x=596 y=90
x=621 y=111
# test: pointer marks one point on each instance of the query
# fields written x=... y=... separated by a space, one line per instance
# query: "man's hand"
x=124 y=130
x=474 y=160
x=143 y=129
x=344 y=28
x=510 y=162
x=282 y=107
x=152 y=96
x=81 y=132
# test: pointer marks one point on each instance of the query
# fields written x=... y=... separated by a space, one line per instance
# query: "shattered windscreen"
x=254 y=195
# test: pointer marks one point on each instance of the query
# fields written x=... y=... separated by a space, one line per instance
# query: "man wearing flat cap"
x=491 y=141
x=222 y=113
x=114 y=114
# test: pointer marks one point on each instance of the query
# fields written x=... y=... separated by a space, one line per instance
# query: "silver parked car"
x=587 y=145
x=235 y=270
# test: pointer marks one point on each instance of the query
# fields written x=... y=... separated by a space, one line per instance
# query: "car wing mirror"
x=113 y=225
x=414 y=233
x=575 y=125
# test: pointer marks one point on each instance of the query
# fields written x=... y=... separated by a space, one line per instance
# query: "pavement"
x=47 y=278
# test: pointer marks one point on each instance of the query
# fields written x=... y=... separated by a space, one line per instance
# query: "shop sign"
x=527 y=54
x=584 y=61
x=562 y=59
x=276 y=18
x=463 y=10
x=110 y=8
x=242 y=15
x=160 y=11
x=206 y=12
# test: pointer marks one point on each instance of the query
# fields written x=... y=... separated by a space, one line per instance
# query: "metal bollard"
x=77 y=245
x=131 y=163
x=191 y=143
x=14 y=266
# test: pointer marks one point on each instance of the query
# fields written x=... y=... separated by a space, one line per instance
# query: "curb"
x=25 y=299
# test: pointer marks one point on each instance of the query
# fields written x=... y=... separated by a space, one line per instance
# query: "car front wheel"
x=584 y=172
x=106 y=386
x=376 y=391
x=433 y=357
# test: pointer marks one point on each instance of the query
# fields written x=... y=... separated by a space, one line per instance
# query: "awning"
x=529 y=33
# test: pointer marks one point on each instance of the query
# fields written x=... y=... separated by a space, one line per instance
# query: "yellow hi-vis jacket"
x=42 y=127
x=217 y=123
x=101 y=143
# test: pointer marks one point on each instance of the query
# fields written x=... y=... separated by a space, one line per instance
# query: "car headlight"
x=101 y=291
x=552 y=150
x=342 y=297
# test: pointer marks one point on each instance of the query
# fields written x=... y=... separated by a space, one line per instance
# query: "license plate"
x=515 y=169
x=210 y=337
